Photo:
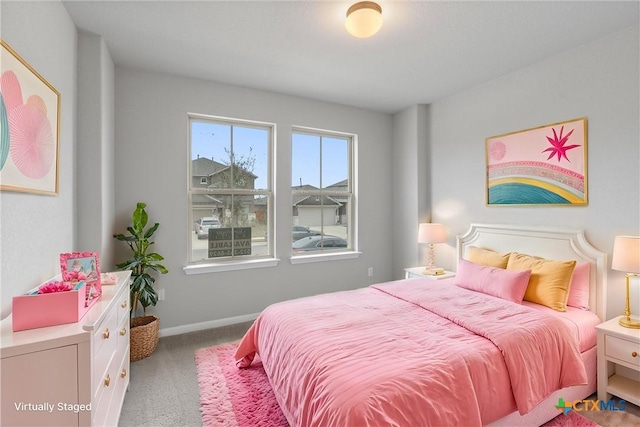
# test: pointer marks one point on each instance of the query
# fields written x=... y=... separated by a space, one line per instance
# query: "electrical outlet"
x=160 y=294
x=370 y=271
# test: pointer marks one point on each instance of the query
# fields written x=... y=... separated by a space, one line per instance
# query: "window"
x=230 y=189
x=322 y=192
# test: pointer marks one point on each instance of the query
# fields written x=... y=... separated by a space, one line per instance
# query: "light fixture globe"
x=364 y=19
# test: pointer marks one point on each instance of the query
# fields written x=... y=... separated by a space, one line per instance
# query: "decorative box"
x=35 y=310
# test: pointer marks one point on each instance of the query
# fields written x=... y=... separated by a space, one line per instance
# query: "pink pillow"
x=579 y=289
x=506 y=284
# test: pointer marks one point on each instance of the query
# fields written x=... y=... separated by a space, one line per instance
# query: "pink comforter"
x=409 y=353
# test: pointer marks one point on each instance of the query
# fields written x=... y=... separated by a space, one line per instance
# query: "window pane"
x=251 y=156
x=230 y=226
x=320 y=223
x=305 y=161
x=321 y=193
x=230 y=189
x=335 y=163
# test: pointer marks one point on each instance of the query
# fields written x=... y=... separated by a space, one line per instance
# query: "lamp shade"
x=626 y=254
x=431 y=233
x=364 y=19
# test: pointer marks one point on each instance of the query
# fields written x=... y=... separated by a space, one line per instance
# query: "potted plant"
x=144 y=329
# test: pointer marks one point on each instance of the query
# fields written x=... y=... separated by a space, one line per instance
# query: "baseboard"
x=211 y=324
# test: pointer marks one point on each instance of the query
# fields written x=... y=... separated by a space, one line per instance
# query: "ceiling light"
x=364 y=19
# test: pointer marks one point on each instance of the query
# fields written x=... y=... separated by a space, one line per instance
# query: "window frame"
x=352 y=250
x=209 y=265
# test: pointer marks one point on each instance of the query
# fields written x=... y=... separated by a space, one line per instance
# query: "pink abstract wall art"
x=29 y=127
x=546 y=165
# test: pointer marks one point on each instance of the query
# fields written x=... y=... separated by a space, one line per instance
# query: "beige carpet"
x=615 y=418
x=164 y=390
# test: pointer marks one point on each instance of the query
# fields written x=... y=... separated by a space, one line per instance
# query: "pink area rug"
x=231 y=397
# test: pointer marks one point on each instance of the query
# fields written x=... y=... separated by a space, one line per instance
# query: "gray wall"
x=411 y=194
x=151 y=166
x=445 y=182
x=95 y=148
x=35 y=229
x=598 y=80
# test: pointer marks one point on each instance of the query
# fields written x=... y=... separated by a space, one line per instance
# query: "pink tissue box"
x=40 y=310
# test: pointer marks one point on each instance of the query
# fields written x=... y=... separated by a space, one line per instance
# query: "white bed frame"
x=550 y=243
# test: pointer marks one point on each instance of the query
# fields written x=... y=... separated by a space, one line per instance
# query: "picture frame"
x=82 y=266
x=29 y=127
x=544 y=166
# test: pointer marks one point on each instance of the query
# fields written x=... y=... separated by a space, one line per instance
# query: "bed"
x=447 y=352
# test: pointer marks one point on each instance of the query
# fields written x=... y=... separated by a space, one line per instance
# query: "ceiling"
x=426 y=50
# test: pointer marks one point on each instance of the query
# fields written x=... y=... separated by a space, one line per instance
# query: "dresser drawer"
x=623 y=350
x=104 y=344
x=120 y=388
x=123 y=304
x=104 y=392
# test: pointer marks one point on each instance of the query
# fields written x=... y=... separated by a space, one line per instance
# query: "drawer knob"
x=124 y=304
x=634 y=354
x=107 y=380
x=123 y=373
x=123 y=331
x=105 y=334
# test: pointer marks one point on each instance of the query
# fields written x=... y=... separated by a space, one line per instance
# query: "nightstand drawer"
x=623 y=350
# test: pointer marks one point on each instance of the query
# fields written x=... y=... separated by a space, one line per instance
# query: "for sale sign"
x=231 y=241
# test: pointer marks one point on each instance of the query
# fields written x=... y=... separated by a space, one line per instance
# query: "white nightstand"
x=416 y=272
x=618 y=361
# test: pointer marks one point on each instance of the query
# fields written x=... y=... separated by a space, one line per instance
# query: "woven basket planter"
x=144 y=337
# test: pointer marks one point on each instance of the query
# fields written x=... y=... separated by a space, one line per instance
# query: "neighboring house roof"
x=344 y=183
x=204 y=199
x=203 y=166
x=315 y=201
x=312 y=200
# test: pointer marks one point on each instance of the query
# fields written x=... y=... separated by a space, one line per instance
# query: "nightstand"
x=618 y=361
x=416 y=272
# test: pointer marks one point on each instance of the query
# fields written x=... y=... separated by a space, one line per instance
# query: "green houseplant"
x=144 y=329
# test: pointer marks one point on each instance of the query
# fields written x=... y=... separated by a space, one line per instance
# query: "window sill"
x=304 y=259
x=229 y=266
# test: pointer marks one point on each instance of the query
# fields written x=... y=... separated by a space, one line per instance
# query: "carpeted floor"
x=164 y=389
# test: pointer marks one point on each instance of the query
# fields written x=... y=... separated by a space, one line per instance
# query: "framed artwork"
x=29 y=127
x=82 y=266
x=546 y=165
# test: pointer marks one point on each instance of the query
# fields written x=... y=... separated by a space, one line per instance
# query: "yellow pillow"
x=549 y=282
x=487 y=257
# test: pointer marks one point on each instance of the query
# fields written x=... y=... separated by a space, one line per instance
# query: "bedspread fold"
x=540 y=351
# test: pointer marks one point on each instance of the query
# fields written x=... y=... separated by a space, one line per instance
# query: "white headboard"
x=546 y=242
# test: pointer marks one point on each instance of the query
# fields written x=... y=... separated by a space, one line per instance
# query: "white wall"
x=35 y=229
x=599 y=80
x=95 y=157
x=151 y=166
x=411 y=194
x=445 y=182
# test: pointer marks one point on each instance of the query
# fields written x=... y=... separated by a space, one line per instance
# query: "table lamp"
x=626 y=257
x=431 y=233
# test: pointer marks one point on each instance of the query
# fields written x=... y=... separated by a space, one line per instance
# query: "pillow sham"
x=549 y=282
x=579 y=288
x=487 y=257
x=506 y=284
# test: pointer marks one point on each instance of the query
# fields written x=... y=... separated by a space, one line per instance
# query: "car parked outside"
x=204 y=224
x=300 y=232
x=316 y=243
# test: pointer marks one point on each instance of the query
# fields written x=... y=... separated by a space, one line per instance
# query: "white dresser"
x=69 y=375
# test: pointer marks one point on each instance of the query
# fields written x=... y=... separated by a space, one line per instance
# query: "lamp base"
x=433 y=271
x=629 y=322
